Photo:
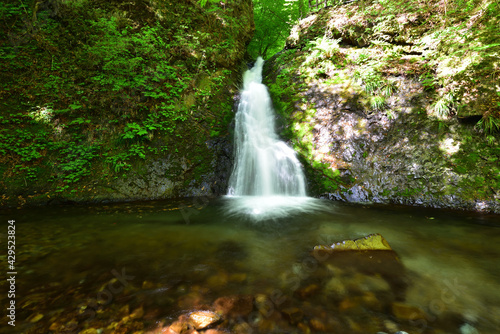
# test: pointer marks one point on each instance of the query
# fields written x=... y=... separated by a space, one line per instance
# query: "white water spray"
x=267 y=180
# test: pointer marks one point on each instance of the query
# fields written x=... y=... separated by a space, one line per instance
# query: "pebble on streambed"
x=203 y=319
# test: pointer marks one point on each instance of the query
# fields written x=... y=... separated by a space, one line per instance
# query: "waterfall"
x=264 y=165
x=267 y=180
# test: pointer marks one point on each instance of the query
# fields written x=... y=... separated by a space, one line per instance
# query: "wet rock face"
x=174 y=176
x=401 y=159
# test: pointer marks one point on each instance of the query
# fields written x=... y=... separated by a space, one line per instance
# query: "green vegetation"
x=90 y=87
x=273 y=21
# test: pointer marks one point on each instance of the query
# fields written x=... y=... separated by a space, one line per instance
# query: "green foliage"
x=326 y=46
x=330 y=178
x=377 y=102
x=325 y=53
x=134 y=130
x=428 y=81
x=119 y=162
x=370 y=78
x=273 y=22
x=98 y=84
x=203 y=3
x=489 y=124
x=75 y=161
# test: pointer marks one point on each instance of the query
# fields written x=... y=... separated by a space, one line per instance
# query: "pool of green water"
x=138 y=267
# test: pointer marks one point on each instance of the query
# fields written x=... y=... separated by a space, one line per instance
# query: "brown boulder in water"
x=370 y=255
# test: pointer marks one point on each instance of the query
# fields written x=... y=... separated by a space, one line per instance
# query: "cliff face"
x=382 y=104
x=118 y=100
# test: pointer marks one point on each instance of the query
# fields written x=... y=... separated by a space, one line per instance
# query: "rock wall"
x=358 y=98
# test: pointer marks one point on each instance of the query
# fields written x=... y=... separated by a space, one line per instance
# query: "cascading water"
x=265 y=165
x=267 y=180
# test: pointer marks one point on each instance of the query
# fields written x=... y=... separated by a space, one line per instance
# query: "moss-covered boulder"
x=118 y=100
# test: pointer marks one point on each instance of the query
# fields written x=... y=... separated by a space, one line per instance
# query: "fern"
x=489 y=124
x=326 y=46
x=442 y=106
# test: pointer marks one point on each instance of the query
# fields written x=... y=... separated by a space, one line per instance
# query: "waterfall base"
x=259 y=208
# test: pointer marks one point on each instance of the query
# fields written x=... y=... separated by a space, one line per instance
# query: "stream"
x=137 y=267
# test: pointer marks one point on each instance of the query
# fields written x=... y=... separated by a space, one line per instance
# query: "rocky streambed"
x=353 y=286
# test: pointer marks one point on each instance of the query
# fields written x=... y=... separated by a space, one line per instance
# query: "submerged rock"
x=234 y=306
x=371 y=255
x=371 y=242
x=203 y=319
x=407 y=312
x=177 y=327
x=293 y=314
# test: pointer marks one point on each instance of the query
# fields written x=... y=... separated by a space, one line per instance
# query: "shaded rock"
x=238 y=277
x=264 y=305
x=36 y=318
x=390 y=326
x=242 y=328
x=146 y=285
x=336 y=287
x=304 y=328
x=89 y=331
x=317 y=324
x=203 y=319
x=137 y=313
x=371 y=301
x=218 y=280
x=350 y=304
x=372 y=284
x=293 y=314
x=54 y=326
x=308 y=291
x=234 y=306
